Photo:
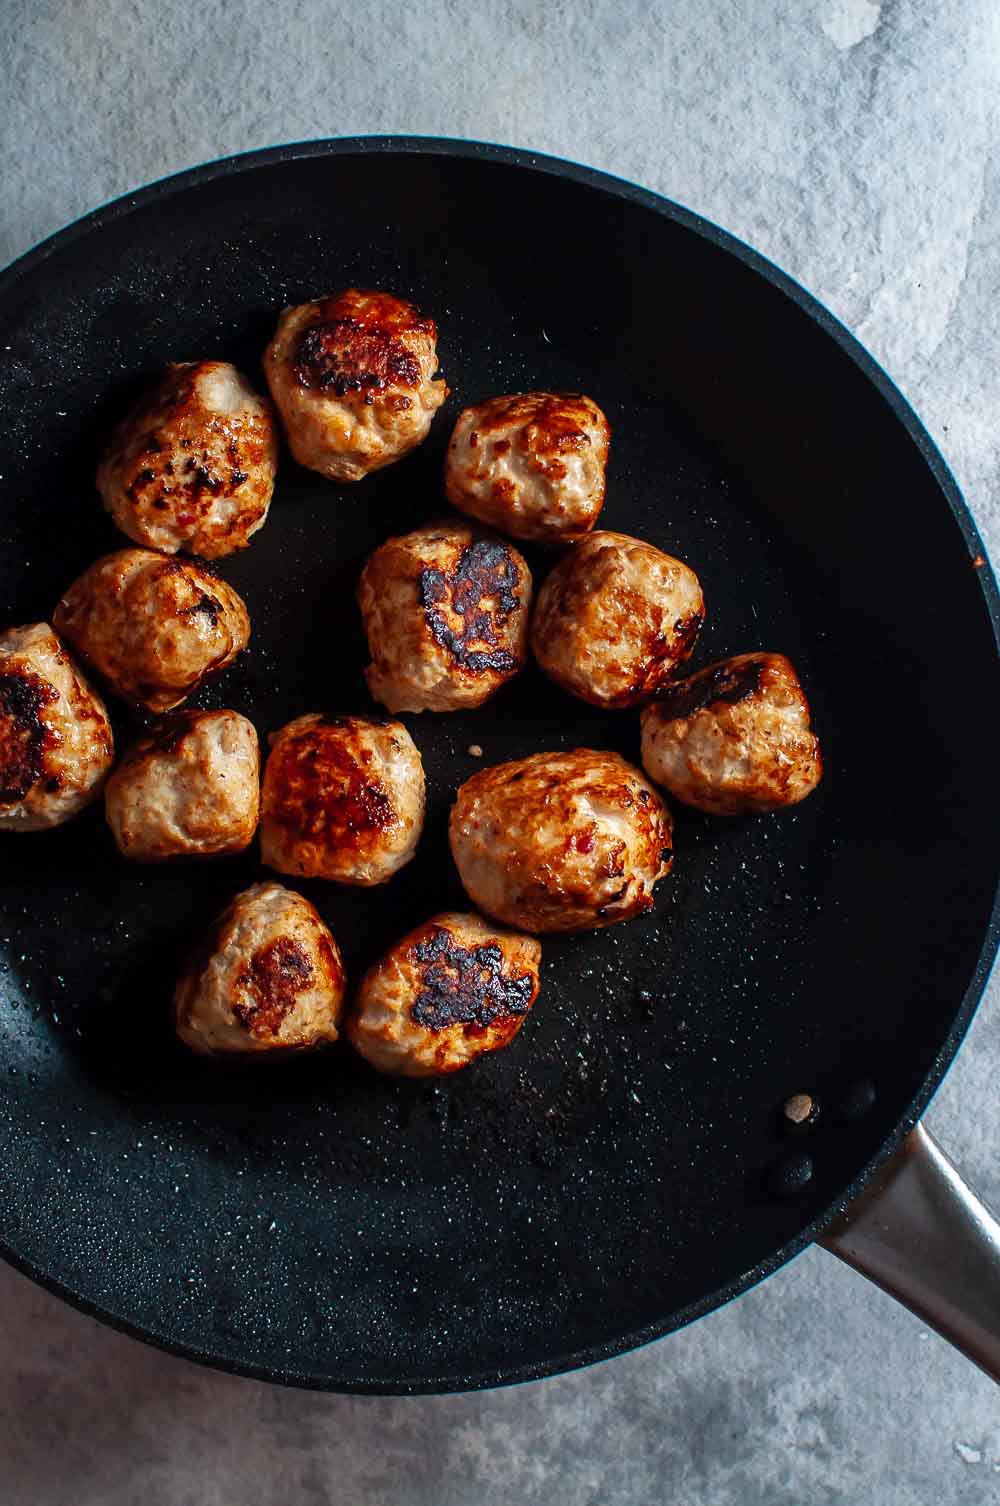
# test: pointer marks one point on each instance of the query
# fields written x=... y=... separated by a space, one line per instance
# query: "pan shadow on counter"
x=87 y=1415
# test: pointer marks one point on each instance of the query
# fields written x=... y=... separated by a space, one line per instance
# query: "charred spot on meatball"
x=206 y=606
x=686 y=630
x=24 y=735
x=342 y=356
x=735 y=738
x=450 y=991
x=727 y=682
x=466 y=985
x=322 y=786
x=355 y=380
x=446 y=611
x=277 y=974
x=485 y=572
x=166 y=735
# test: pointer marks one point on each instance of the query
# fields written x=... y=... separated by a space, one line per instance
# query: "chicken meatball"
x=153 y=628
x=353 y=377
x=446 y=613
x=446 y=993
x=531 y=465
x=190 y=788
x=561 y=841
x=615 y=618
x=268 y=977
x=55 y=738
x=343 y=799
x=192 y=465
x=734 y=738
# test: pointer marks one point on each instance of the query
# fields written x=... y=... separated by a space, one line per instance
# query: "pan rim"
x=892 y=394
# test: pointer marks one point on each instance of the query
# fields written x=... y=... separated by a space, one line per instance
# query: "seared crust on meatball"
x=353 y=377
x=531 y=464
x=449 y=991
x=343 y=799
x=191 y=787
x=56 y=745
x=615 y=618
x=192 y=465
x=735 y=738
x=154 y=628
x=267 y=978
x=561 y=841
x=446 y=613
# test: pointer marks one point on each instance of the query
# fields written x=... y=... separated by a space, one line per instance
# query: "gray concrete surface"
x=856 y=144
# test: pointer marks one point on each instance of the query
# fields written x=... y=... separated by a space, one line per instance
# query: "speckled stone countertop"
x=855 y=144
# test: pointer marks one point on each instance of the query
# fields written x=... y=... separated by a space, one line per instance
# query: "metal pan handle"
x=919 y=1232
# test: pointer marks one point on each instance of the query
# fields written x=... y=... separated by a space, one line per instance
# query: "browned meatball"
x=615 y=618
x=446 y=613
x=561 y=841
x=531 y=465
x=734 y=738
x=267 y=978
x=449 y=991
x=353 y=376
x=190 y=788
x=343 y=799
x=152 y=627
x=55 y=738
x=192 y=465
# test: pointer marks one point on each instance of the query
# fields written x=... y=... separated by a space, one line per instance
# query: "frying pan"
x=622 y=1169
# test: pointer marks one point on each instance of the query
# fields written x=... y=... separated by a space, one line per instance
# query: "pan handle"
x=919 y=1232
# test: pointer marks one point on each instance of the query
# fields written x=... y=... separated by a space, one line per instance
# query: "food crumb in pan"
x=800 y=1112
x=475 y=751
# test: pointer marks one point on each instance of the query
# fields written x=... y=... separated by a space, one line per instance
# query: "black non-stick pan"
x=622 y=1168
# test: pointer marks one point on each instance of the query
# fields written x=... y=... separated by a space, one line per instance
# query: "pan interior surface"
x=606 y=1178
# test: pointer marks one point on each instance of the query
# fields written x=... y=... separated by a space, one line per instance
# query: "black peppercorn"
x=790 y=1174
